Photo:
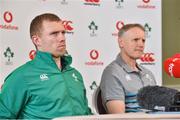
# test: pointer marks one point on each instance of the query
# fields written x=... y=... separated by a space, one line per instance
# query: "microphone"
x=177 y=55
x=172 y=66
x=158 y=98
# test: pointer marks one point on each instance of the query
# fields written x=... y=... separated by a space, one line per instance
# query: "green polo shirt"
x=39 y=90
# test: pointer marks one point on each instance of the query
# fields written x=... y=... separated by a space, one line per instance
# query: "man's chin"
x=60 y=54
x=137 y=56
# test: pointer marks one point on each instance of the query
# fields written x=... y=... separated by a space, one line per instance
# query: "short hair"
x=127 y=27
x=36 y=24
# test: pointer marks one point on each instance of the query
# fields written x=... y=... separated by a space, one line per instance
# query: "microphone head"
x=177 y=55
x=150 y=97
x=172 y=66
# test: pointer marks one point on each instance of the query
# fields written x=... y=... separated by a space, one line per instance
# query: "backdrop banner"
x=92 y=27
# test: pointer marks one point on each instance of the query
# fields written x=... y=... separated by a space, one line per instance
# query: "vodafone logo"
x=92 y=1
x=8 y=17
x=170 y=69
x=32 y=54
x=67 y=25
x=146 y=1
x=146 y=5
x=147 y=57
x=119 y=25
x=94 y=54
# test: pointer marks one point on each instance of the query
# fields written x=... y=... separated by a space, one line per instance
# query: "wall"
x=170 y=36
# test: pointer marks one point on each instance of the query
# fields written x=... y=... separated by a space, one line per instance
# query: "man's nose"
x=61 y=36
x=141 y=43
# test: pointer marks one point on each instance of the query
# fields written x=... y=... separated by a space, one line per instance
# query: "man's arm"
x=112 y=91
x=12 y=97
x=115 y=106
x=88 y=109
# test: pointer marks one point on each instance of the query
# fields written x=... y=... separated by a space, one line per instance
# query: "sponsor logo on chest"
x=44 y=77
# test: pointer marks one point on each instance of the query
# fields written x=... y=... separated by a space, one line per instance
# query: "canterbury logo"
x=92 y=1
x=32 y=54
x=67 y=25
x=147 y=57
x=44 y=77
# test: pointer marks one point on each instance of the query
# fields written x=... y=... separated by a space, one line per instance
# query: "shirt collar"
x=122 y=63
x=47 y=58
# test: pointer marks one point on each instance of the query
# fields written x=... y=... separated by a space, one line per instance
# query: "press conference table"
x=126 y=116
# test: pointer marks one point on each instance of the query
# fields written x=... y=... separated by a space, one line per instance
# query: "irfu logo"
x=147 y=30
x=119 y=3
x=93 y=86
x=8 y=54
x=64 y=2
x=93 y=27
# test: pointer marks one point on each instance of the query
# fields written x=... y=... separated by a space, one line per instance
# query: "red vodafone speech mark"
x=8 y=17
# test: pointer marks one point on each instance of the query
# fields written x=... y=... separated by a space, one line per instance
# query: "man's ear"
x=36 y=40
x=120 y=42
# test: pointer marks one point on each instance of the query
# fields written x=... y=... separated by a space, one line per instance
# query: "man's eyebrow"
x=55 y=32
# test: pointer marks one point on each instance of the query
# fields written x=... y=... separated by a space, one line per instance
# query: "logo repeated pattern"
x=92 y=27
x=148 y=29
x=68 y=26
x=148 y=59
x=94 y=55
x=8 y=19
x=32 y=54
x=119 y=3
x=146 y=4
x=92 y=2
x=119 y=25
x=64 y=2
x=8 y=54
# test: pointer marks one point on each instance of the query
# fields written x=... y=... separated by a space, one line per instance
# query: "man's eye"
x=143 y=40
x=136 y=39
x=63 y=32
x=55 y=34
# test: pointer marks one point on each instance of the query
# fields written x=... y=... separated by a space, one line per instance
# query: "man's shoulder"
x=23 y=68
x=113 y=65
x=19 y=71
x=149 y=74
x=144 y=69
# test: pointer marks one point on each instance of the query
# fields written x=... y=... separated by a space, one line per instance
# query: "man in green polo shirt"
x=46 y=87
